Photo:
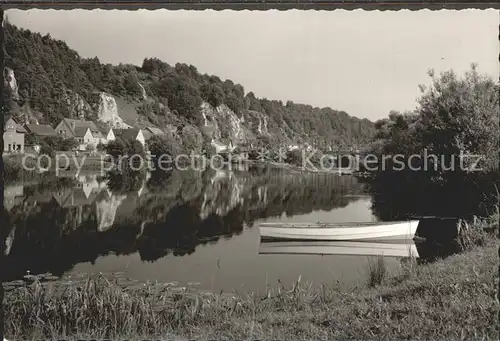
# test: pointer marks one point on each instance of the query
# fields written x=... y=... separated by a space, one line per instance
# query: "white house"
x=67 y=128
x=13 y=136
x=223 y=148
x=84 y=137
x=107 y=136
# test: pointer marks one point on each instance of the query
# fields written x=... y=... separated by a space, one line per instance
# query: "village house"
x=84 y=137
x=67 y=128
x=36 y=132
x=132 y=134
x=108 y=135
x=98 y=137
x=13 y=136
x=40 y=130
x=223 y=148
x=147 y=134
x=152 y=131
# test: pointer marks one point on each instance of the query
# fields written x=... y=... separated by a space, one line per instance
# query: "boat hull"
x=338 y=232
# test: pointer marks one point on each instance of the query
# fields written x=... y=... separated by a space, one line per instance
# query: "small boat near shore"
x=367 y=231
x=386 y=249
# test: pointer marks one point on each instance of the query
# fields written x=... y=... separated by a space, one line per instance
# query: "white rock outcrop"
x=143 y=91
x=107 y=111
x=11 y=83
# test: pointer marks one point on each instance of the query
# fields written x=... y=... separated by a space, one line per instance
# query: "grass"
x=451 y=299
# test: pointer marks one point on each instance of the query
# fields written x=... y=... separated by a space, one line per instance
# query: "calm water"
x=184 y=228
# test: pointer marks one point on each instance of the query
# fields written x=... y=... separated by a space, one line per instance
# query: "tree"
x=54 y=143
x=116 y=148
x=160 y=145
x=131 y=84
x=213 y=94
x=155 y=66
x=192 y=139
x=182 y=94
x=454 y=116
x=93 y=69
x=461 y=115
x=128 y=154
x=46 y=148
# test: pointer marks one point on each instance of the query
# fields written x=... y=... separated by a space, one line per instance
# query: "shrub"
x=101 y=147
x=192 y=139
x=12 y=169
x=163 y=145
x=294 y=157
x=120 y=149
x=90 y=147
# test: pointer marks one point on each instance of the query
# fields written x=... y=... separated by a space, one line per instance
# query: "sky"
x=365 y=63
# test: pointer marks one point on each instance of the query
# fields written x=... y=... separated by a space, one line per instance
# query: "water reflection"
x=399 y=195
x=56 y=225
x=406 y=249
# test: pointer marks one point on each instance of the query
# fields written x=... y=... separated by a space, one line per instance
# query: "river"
x=187 y=228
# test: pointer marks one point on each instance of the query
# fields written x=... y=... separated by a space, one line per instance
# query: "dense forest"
x=55 y=82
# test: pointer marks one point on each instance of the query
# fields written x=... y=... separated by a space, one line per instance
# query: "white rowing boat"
x=339 y=248
x=400 y=230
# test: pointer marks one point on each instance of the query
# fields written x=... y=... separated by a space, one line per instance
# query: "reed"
x=479 y=232
x=377 y=271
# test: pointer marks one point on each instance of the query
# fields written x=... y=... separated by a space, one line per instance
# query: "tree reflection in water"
x=399 y=195
x=60 y=224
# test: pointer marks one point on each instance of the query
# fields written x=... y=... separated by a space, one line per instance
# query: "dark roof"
x=105 y=130
x=147 y=134
x=81 y=124
x=81 y=131
x=19 y=128
x=40 y=129
x=155 y=130
x=97 y=134
x=127 y=134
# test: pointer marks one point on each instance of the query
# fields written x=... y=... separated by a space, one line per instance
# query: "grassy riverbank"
x=452 y=299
